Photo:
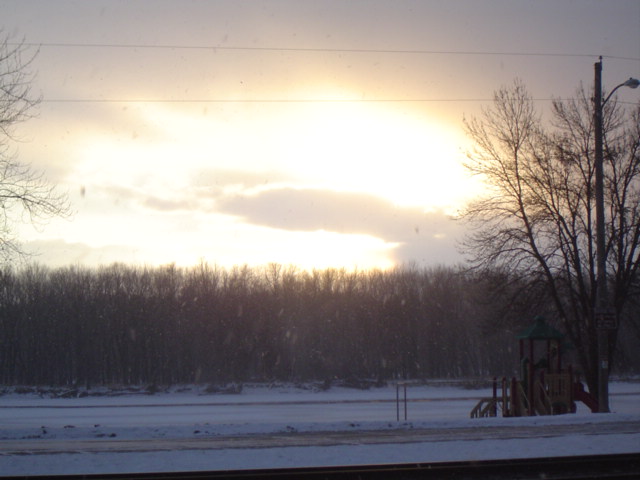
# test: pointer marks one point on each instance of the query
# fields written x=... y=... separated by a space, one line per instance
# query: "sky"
x=319 y=134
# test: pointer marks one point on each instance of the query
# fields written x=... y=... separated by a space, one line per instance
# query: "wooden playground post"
x=530 y=380
x=506 y=404
x=515 y=403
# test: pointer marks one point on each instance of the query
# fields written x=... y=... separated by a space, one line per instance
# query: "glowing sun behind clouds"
x=367 y=147
x=396 y=153
x=180 y=163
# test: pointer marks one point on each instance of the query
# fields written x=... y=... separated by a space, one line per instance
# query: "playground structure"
x=544 y=386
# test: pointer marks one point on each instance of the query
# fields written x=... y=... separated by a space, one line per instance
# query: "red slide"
x=585 y=397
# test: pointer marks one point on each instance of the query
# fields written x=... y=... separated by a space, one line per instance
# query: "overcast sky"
x=319 y=133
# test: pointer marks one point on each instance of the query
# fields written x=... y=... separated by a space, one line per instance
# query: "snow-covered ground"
x=188 y=429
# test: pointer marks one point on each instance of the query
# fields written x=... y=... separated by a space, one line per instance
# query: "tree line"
x=169 y=325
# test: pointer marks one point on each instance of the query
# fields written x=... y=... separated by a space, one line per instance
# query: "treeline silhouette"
x=169 y=325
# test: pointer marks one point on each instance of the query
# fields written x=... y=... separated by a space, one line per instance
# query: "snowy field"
x=188 y=429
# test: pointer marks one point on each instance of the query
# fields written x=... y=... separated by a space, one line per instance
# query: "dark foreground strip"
x=622 y=466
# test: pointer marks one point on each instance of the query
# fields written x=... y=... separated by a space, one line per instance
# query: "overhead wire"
x=322 y=49
x=276 y=100
x=302 y=50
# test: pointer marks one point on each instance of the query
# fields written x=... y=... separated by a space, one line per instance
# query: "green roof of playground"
x=540 y=330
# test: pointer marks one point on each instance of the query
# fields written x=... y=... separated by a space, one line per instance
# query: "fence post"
x=405 y=402
x=398 y=385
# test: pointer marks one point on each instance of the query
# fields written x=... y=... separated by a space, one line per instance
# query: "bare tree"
x=537 y=220
x=25 y=195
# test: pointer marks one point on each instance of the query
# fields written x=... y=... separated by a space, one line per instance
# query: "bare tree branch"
x=25 y=195
x=537 y=220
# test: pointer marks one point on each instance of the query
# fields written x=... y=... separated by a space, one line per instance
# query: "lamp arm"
x=611 y=93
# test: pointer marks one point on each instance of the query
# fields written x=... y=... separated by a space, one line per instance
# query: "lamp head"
x=632 y=83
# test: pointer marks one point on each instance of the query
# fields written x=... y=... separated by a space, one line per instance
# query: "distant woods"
x=167 y=325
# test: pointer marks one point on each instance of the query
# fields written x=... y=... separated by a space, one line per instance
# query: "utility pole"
x=602 y=300
x=605 y=315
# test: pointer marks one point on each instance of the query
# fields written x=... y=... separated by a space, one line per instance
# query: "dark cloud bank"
x=423 y=238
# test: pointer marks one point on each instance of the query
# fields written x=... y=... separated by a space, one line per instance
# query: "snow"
x=56 y=436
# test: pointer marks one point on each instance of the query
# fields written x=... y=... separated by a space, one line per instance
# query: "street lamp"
x=604 y=316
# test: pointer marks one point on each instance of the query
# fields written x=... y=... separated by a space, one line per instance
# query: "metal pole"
x=601 y=292
x=405 y=402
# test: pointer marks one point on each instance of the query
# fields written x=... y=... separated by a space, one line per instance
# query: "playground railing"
x=542 y=401
x=486 y=407
x=520 y=404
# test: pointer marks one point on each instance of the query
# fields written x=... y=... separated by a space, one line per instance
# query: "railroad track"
x=625 y=466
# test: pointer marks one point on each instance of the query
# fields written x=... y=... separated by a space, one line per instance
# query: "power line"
x=320 y=50
x=274 y=100
x=293 y=101
x=302 y=50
